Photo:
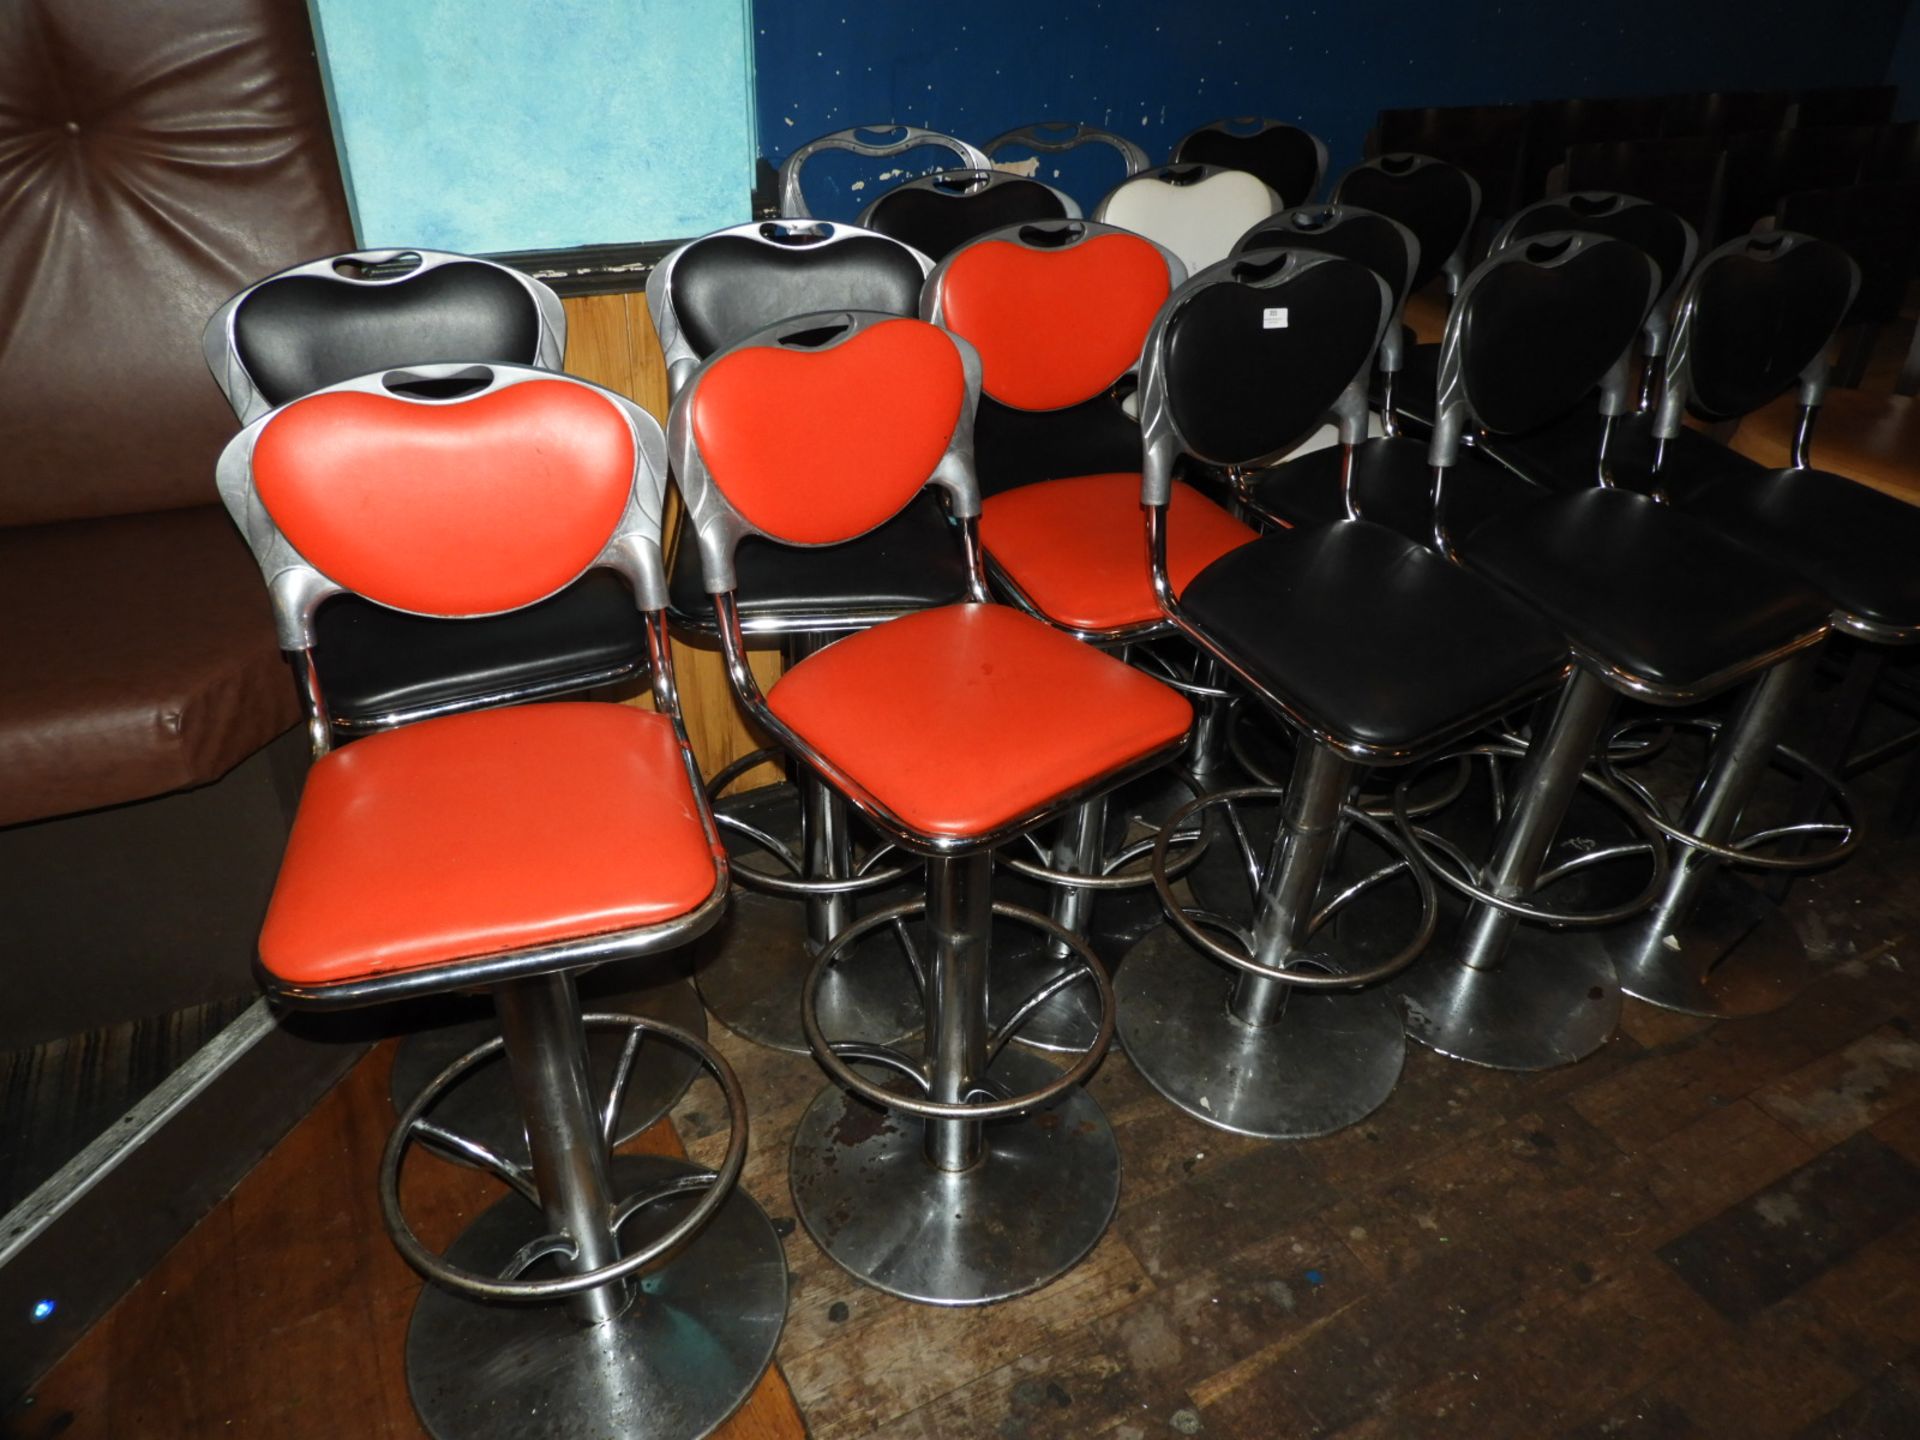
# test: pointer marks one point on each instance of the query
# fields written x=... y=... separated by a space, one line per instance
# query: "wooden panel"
x=611 y=341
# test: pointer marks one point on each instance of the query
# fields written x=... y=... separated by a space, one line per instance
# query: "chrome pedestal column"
x=669 y=1301
x=1514 y=997
x=1714 y=944
x=1254 y=1053
x=985 y=1172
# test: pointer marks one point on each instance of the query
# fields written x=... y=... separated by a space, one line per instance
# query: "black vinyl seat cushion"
x=1371 y=637
x=1858 y=545
x=1392 y=486
x=374 y=661
x=1652 y=592
x=910 y=563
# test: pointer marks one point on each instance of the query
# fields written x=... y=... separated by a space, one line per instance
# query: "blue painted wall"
x=486 y=125
x=1153 y=71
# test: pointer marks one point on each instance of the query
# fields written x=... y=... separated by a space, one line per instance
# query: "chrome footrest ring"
x=718 y=1185
x=1740 y=852
x=1242 y=959
x=837 y=1066
x=1622 y=797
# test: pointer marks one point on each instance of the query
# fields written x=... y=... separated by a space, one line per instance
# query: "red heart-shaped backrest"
x=818 y=446
x=1054 y=327
x=462 y=507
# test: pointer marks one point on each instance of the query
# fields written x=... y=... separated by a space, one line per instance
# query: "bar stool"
x=1058 y=314
x=1757 y=319
x=340 y=316
x=508 y=850
x=1373 y=648
x=981 y=1172
x=1655 y=605
x=813 y=871
x=874 y=141
x=1194 y=211
x=1288 y=160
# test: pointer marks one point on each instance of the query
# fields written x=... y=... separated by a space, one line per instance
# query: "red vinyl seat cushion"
x=966 y=717
x=486 y=832
x=1077 y=548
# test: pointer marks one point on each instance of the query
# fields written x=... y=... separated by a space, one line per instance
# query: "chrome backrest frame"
x=682 y=359
x=912 y=137
x=1035 y=137
x=221 y=347
x=942 y=182
x=1677 y=385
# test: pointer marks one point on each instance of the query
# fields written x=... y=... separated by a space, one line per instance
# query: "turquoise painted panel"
x=487 y=125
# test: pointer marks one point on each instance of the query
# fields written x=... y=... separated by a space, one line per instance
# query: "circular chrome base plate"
x=482 y=1106
x=751 y=966
x=1331 y=1059
x=1027 y=1213
x=1552 y=1000
x=681 y=1359
x=1736 y=955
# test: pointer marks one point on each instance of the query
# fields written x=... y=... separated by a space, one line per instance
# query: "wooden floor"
x=1706 y=1230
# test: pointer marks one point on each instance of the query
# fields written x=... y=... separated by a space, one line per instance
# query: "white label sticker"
x=1274 y=319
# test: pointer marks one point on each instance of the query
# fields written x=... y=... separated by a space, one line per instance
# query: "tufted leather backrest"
x=153 y=159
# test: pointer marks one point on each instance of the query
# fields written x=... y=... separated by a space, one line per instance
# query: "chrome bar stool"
x=973 y=1171
x=1058 y=314
x=340 y=316
x=509 y=850
x=1654 y=603
x=803 y=866
x=1373 y=648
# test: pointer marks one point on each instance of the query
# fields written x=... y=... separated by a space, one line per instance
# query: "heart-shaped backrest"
x=302 y=333
x=1054 y=326
x=732 y=286
x=1349 y=232
x=1286 y=159
x=1431 y=198
x=459 y=507
x=818 y=445
x=1542 y=322
x=1197 y=217
x=1253 y=366
x=1761 y=314
x=1656 y=230
x=938 y=218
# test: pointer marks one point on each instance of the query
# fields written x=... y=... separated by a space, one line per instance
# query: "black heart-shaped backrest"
x=306 y=332
x=1656 y=230
x=1760 y=316
x=1285 y=158
x=1256 y=359
x=732 y=286
x=1354 y=234
x=936 y=221
x=1433 y=199
x=1541 y=323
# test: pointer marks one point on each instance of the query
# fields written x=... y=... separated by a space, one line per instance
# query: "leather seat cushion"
x=965 y=718
x=139 y=658
x=1370 y=637
x=1392 y=486
x=911 y=562
x=491 y=831
x=1869 y=437
x=1077 y=547
x=1643 y=587
x=374 y=661
x=1853 y=542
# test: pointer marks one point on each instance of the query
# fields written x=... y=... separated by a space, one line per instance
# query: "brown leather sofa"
x=153 y=159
